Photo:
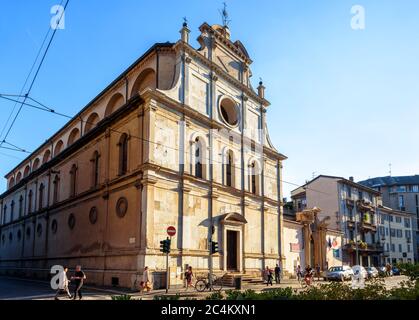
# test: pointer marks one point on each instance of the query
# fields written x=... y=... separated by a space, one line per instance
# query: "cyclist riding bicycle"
x=309 y=275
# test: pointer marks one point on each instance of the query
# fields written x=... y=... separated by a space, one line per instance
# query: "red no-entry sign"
x=171 y=231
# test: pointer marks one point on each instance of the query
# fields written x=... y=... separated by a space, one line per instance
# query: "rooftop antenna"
x=389 y=166
x=185 y=22
x=224 y=15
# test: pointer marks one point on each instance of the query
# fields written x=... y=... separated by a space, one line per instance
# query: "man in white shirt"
x=63 y=284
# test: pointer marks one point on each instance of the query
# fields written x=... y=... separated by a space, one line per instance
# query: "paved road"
x=22 y=289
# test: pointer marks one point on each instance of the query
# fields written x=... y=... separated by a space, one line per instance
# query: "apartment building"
x=350 y=208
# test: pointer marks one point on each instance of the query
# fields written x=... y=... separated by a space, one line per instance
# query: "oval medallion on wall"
x=93 y=215
x=122 y=207
x=54 y=226
x=71 y=221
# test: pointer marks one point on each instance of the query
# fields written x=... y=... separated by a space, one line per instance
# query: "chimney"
x=184 y=32
x=261 y=90
x=351 y=179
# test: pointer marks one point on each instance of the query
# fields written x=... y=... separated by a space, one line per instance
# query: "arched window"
x=254 y=178
x=4 y=213
x=41 y=197
x=56 y=189
x=198 y=158
x=73 y=180
x=58 y=148
x=91 y=122
x=95 y=169
x=18 y=177
x=46 y=157
x=35 y=164
x=229 y=169
x=12 y=210
x=30 y=196
x=20 y=206
x=27 y=171
x=123 y=154
x=11 y=182
x=74 y=135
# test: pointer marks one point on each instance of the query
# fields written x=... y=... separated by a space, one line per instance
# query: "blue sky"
x=344 y=102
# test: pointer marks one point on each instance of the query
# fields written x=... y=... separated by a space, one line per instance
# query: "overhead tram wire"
x=27 y=77
x=45 y=108
x=35 y=76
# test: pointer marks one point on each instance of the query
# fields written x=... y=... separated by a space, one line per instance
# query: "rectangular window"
x=406 y=222
x=415 y=188
x=407 y=234
x=401 y=203
x=408 y=248
x=387 y=232
x=393 y=232
x=388 y=246
x=393 y=247
x=398 y=219
x=401 y=189
x=390 y=218
x=399 y=233
x=400 y=247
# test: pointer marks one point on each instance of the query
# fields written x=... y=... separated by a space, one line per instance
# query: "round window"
x=71 y=221
x=93 y=215
x=54 y=226
x=229 y=112
x=122 y=207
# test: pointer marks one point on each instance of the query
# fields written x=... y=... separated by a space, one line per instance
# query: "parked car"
x=339 y=273
x=372 y=272
x=395 y=271
x=360 y=270
x=382 y=271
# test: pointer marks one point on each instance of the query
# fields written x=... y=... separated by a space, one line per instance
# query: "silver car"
x=339 y=273
x=372 y=272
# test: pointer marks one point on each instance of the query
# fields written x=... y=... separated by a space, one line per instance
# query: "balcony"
x=350 y=223
x=364 y=206
x=367 y=226
x=364 y=247
x=350 y=203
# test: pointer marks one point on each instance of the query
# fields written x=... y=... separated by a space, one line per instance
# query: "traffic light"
x=214 y=247
x=165 y=245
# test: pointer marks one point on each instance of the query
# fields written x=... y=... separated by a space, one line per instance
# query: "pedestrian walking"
x=78 y=278
x=63 y=284
x=298 y=273
x=268 y=276
x=278 y=274
x=146 y=281
x=318 y=270
x=188 y=276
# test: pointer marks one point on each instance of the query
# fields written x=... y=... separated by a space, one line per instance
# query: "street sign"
x=171 y=231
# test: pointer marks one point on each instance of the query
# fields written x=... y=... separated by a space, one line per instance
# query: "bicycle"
x=307 y=280
x=204 y=284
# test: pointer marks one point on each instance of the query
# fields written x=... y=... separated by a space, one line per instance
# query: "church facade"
x=179 y=139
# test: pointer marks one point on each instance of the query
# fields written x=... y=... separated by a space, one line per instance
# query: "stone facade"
x=178 y=139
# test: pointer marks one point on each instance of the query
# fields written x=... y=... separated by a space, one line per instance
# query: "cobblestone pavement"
x=24 y=289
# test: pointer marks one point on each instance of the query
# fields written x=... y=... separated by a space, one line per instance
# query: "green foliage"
x=122 y=297
x=374 y=290
x=215 y=296
x=410 y=270
x=167 y=297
